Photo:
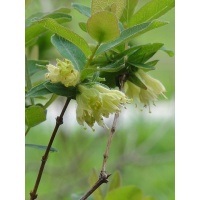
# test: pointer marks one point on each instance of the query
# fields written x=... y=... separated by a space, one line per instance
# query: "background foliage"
x=143 y=146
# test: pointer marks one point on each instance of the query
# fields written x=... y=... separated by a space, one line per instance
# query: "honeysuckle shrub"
x=90 y=73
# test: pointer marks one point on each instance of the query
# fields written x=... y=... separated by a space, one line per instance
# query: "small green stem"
x=28 y=80
x=92 y=56
x=51 y=100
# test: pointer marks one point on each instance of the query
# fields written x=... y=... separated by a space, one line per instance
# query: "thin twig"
x=112 y=131
x=59 y=121
x=103 y=177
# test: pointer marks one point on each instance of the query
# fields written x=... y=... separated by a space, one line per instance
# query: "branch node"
x=44 y=159
x=33 y=196
x=113 y=129
x=104 y=177
x=59 y=120
x=105 y=156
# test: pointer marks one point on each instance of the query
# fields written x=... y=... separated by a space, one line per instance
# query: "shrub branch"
x=59 y=121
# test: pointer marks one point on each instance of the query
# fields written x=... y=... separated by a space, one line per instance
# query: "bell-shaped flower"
x=154 y=88
x=95 y=102
x=63 y=72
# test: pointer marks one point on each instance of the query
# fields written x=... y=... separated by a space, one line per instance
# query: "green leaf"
x=41 y=147
x=92 y=180
x=134 y=79
x=168 y=51
x=63 y=10
x=29 y=20
x=34 y=30
x=82 y=9
x=35 y=66
x=152 y=10
x=83 y=26
x=125 y=193
x=130 y=33
x=152 y=63
x=142 y=66
x=34 y=115
x=67 y=34
x=144 y=53
x=115 y=6
x=38 y=91
x=128 y=11
x=70 y=51
x=113 y=67
x=60 y=89
x=127 y=52
x=115 y=181
x=100 y=28
x=40 y=15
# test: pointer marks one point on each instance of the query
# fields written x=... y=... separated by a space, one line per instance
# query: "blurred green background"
x=142 y=148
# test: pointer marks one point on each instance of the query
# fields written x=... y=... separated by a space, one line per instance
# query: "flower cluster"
x=145 y=96
x=95 y=102
x=63 y=72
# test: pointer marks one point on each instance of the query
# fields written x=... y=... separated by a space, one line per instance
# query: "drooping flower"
x=63 y=72
x=95 y=102
x=145 y=96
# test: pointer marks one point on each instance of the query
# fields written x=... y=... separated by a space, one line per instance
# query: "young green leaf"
x=83 y=26
x=38 y=91
x=82 y=9
x=35 y=66
x=142 y=66
x=70 y=51
x=41 y=147
x=40 y=15
x=33 y=31
x=103 y=26
x=97 y=194
x=60 y=89
x=130 y=33
x=115 y=6
x=115 y=181
x=152 y=10
x=144 y=53
x=127 y=52
x=62 y=31
x=125 y=193
x=34 y=115
x=128 y=11
x=113 y=67
x=152 y=63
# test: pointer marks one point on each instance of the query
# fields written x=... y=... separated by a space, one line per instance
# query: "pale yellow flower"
x=63 y=72
x=95 y=102
x=145 y=96
x=155 y=85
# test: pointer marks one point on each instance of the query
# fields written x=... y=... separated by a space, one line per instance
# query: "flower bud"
x=63 y=72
